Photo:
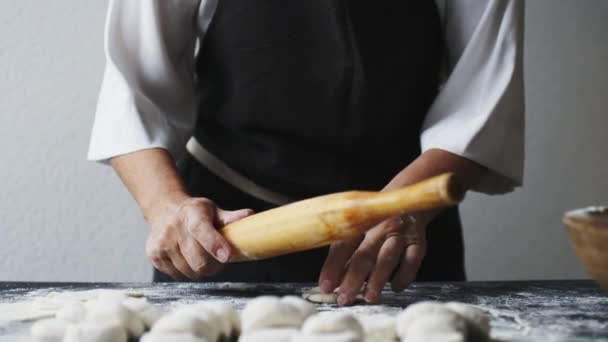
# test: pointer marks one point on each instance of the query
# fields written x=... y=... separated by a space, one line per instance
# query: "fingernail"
x=371 y=297
x=222 y=255
x=326 y=286
x=343 y=299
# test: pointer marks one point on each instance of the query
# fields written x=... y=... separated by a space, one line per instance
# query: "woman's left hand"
x=391 y=251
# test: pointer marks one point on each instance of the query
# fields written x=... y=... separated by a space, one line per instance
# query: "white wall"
x=62 y=218
x=521 y=236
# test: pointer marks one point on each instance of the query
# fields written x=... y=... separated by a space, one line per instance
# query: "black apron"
x=309 y=97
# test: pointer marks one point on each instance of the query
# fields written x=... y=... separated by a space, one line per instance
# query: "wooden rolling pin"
x=320 y=221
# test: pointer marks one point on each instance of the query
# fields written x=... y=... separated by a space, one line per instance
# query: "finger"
x=203 y=231
x=388 y=259
x=166 y=267
x=198 y=259
x=410 y=263
x=335 y=264
x=213 y=268
x=179 y=262
x=359 y=268
x=226 y=217
x=195 y=256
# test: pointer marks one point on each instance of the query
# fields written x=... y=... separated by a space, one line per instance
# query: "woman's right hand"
x=184 y=241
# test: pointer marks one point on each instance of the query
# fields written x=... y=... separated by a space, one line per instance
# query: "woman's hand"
x=394 y=249
x=184 y=242
x=391 y=251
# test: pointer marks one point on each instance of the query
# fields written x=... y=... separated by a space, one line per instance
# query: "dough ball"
x=135 y=326
x=270 y=335
x=270 y=312
x=379 y=328
x=415 y=311
x=72 y=313
x=146 y=312
x=136 y=304
x=477 y=320
x=230 y=317
x=95 y=332
x=316 y=296
x=183 y=322
x=49 y=329
x=171 y=337
x=114 y=313
x=436 y=337
x=109 y=313
x=345 y=336
x=438 y=327
x=330 y=322
x=306 y=308
x=50 y=304
x=214 y=324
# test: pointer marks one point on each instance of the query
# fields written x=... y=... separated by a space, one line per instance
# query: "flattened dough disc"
x=316 y=296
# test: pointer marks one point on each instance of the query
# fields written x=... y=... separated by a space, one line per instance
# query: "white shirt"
x=148 y=97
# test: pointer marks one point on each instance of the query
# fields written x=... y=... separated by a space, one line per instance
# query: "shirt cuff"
x=493 y=181
x=479 y=112
x=126 y=122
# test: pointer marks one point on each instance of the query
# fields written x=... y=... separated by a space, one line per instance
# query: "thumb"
x=226 y=217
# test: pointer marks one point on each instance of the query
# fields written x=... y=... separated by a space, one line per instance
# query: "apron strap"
x=232 y=177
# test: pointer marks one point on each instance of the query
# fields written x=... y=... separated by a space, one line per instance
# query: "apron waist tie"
x=232 y=177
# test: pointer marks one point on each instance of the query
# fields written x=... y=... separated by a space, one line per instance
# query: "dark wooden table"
x=520 y=311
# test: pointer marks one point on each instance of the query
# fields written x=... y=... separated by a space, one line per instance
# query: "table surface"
x=520 y=311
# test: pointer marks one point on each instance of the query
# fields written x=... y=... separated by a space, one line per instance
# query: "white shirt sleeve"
x=479 y=112
x=148 y=97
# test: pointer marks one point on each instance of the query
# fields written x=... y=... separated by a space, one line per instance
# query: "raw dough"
x=379 y=328
x=83 y=296
x=95 y=332
x=72 y=313
x=426 y=318
x=270 y=335
x=146 y=312
x=51 y=304
x=438 y=327
x=185 y=323
x=49 y=329
x=415 y=311
x=230 y=317
x=307 y=309
x=214 y=324
x=111 y=296
x=331 y=322
x=316 y=296
x=171 y=337
x=345 y=336
x=23 y=311
x=437 y=337
x=270 y=312
x=478 y=321
x=47 y=306
x=114 y=313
